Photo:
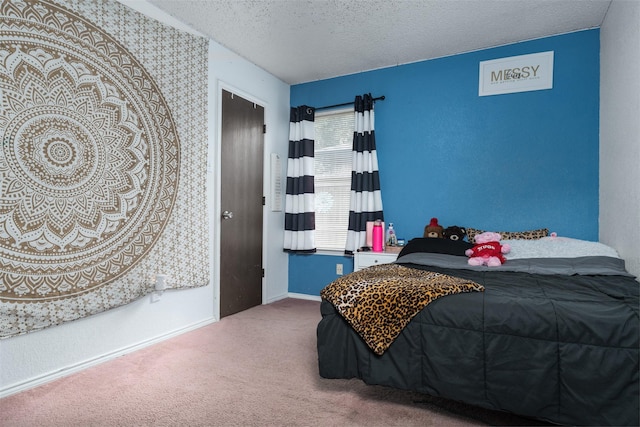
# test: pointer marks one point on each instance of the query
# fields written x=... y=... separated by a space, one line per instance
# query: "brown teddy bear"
x=433 y=229
x=454 y=233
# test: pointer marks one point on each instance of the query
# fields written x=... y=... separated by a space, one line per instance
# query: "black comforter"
x=555 y=339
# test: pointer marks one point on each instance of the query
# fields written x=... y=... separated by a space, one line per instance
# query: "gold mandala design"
x=89 y=155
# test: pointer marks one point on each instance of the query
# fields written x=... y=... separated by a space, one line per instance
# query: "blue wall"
x=506 y=162
x=308 y=274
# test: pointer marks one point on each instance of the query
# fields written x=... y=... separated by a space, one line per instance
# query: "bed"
x=552 y=334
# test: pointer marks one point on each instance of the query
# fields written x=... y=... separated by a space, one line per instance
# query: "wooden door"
x=241 y=202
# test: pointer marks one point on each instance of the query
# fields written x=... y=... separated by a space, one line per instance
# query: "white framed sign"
x=522 y=73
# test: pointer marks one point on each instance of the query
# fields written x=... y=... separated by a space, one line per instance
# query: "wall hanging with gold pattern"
x=98 y=189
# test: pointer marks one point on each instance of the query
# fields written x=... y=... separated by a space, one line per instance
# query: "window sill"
x=331 y=252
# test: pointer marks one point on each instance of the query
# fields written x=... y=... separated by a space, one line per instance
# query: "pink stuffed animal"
x=488 y=250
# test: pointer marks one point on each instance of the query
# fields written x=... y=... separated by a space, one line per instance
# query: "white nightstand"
x=367 y=259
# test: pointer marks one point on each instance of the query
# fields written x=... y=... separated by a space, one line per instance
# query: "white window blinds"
x=333 y=153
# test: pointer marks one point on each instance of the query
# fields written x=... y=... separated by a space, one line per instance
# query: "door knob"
x=227 y=215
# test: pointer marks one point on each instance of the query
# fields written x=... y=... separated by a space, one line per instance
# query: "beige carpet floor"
x=255 y=368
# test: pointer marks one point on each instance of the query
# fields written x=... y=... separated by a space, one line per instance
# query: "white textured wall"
x=38 y=357
x=620 y=131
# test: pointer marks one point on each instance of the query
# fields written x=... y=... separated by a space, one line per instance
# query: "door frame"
x=216 y=210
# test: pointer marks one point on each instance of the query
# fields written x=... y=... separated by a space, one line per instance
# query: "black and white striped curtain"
x=366 y=200
x=300 y=220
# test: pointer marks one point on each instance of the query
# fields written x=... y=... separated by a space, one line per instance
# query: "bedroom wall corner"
x=620 y=131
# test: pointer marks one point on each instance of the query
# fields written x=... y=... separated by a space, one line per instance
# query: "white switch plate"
x=161 y=282
x=339 y=269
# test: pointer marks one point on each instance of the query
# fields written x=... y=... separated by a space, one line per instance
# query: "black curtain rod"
x=380 y=98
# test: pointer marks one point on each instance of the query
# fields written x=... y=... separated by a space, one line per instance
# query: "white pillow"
x=557 y=247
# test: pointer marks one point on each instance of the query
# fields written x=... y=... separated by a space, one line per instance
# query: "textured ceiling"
x=306 y=40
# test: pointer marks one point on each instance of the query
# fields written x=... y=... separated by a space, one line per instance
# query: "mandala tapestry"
x=98 y=192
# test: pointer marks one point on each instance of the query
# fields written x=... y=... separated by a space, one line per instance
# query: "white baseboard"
x=71 y=369
x=275 y=298
x=304 y=296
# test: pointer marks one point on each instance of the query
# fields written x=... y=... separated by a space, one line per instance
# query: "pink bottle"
x=378 y=237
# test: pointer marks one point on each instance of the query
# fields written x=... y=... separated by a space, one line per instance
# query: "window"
x=333 y=142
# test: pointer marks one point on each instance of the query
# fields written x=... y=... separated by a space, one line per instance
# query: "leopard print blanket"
x=379 y=301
